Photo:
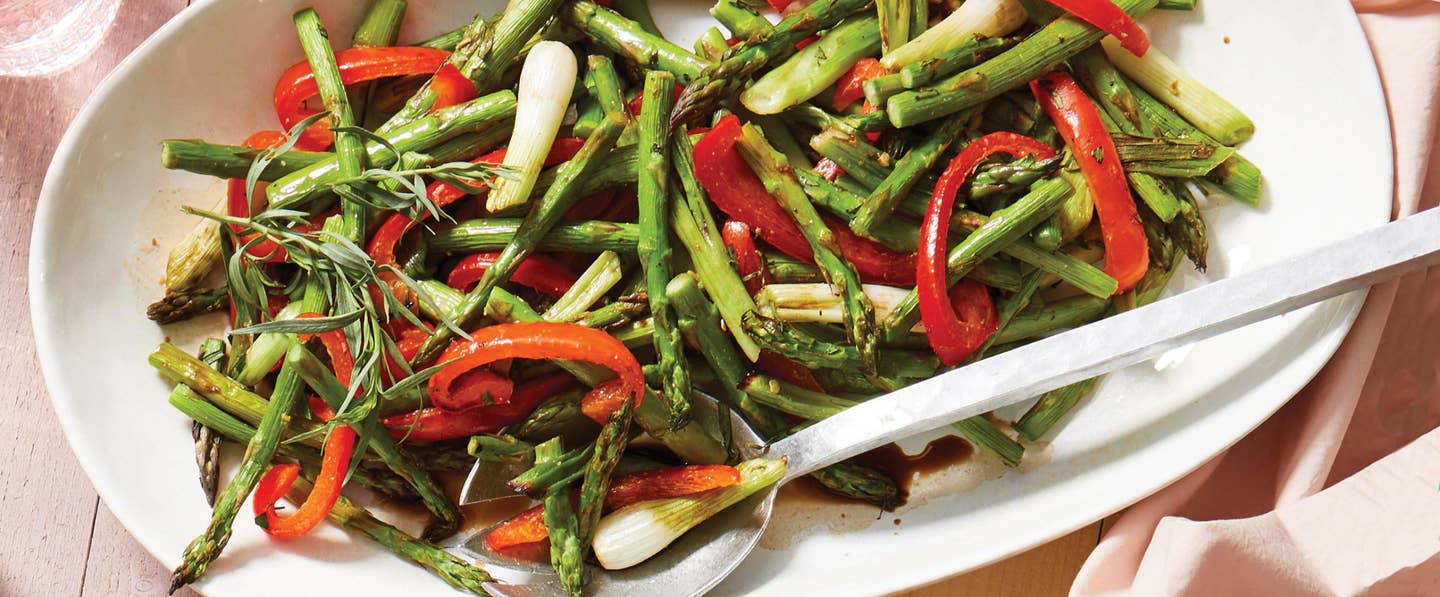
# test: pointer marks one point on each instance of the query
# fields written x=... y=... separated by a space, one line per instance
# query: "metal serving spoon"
x=710 y=552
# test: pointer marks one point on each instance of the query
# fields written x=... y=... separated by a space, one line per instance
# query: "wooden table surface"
x=59 y=538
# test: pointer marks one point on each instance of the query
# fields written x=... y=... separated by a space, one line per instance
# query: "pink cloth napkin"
x=1318 y=501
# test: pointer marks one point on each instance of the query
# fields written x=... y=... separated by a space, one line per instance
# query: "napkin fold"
x=1318 y=501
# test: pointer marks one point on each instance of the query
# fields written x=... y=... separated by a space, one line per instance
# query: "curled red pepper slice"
x=738 y=192
x=529 y=526
x=356 y=65
x=438 y=424
x=1106 y=16
x=737 y=236
x=534 y=340
x=952 y=338
x=1127 y=255
x=334 y=465
x=538 y=271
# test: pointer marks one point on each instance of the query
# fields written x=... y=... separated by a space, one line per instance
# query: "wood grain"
x=1045 y=570
x=59 y=538
x=47 y=506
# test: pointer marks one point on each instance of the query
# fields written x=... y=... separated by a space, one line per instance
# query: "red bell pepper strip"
x=1106 y=16
x=357 y=65
x=780 y=5
x=624 y=208
x=538 y=271
x=952 y=338
x=534 y=340
x=592 y=207
x=738 y=192
x=529 y=526
x=334 y=465
x=1127 y=255
x=451 y=87
x=438 y=424
x=851 y=86
x=737 y=236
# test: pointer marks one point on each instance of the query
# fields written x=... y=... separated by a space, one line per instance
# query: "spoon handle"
x=1372 y=256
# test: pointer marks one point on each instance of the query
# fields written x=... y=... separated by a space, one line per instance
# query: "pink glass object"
x=39 y=37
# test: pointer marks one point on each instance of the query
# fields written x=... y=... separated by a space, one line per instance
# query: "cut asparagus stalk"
x=655 y=252
x=546 y=81
x=924 y=72
x=1037 y=54
x=349 y=146
x=628 y=39
x=974 y=18
x=184 y=305
x=748 y=58
x=744 y=22
x=906 y=173
x=1171 y=84
x=230 y=161
x=969 y=53
x=814 y=68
